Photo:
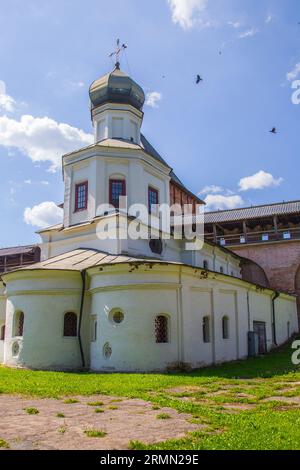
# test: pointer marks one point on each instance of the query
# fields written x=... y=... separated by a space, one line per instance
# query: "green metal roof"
x=116 y=87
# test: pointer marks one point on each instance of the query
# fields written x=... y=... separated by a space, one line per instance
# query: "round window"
x=15 y=349
x=107 y=351
x=118 y=317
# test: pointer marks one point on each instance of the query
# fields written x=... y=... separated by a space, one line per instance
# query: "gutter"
x=83 y=277
x=274 y=297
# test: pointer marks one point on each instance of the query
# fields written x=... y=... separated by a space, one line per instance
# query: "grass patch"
x=71 y=401
x=60 y=415
x=95 y=433
x=204 y=395
x=95 y=403
x=4 y=444
x=62 y=430
x=163 y=416
x=99 y=410
x=113 y=407
x=32 y=411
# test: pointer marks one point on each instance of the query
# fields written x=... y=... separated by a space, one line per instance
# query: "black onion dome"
x=117 y=87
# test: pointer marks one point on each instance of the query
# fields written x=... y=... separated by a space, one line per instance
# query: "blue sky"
x=214 y=135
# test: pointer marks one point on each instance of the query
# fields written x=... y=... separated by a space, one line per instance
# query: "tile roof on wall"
x=255 y=212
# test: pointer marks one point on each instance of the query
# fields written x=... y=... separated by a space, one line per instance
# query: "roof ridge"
x=272 y=204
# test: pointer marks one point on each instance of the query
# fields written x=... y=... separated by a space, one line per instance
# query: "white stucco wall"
x=185 y=295
x=44 y=299
x=186 y=299
x=2 y=317
x=97 y=165
x=285 y=312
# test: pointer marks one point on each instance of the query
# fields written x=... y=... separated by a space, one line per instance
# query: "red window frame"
x=153 y=191
x=85 y=184
x=112 y=202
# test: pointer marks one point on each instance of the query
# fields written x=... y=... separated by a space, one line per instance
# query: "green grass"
x=163 y=416
x=32 y=411
x=205 y=395
x=112 y=407
x=95 y=403
x=95 y=433
x=71 y=401
x=4 y=444
x=60 y=415
x=99 y=410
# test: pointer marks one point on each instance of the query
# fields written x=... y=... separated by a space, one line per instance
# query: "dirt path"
x=122 y=421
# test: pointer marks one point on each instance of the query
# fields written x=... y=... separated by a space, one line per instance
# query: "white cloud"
x=221 y=202
x=153 y=98
x=249 y=33
x=186 y=12
x=235 y=24
x=269 y=19
x=42 y=139
x=7 y=103
x=28 y=182
x=45 y=183
x=43 y=215
x=78 y=84
x=293 y=74
x=260 y=180
x=211 y=190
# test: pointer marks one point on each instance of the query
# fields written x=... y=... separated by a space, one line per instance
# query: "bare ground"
x=130 y=420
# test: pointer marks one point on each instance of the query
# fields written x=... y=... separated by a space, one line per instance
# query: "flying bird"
x=199 y=79
x=273 y=131
x=124 y=46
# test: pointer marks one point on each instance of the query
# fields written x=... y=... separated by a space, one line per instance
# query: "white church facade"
x=118 y=303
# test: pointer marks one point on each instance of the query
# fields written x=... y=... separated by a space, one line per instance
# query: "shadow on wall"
x=253 y=272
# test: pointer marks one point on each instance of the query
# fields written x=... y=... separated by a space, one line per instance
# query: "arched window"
x=19 y=324
x=2 y=333
x=225 y=327
x=205 y=264
x=221 y=270
x=206 y=330
x=161 y=329
x=70 y=324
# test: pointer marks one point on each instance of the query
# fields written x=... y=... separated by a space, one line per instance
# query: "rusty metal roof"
x=85 y=258
x=255 y=212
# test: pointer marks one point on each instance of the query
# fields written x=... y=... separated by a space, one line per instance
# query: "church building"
x=105 y=301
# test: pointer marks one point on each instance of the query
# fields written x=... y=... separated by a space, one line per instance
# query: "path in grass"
x=243 y=405
x=103 y=423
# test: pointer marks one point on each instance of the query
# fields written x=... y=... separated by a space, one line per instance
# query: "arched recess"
x=253 y=272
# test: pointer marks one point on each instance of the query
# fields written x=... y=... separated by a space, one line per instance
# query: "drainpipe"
x=83 y=277
x=248 y=311
x=274 y=297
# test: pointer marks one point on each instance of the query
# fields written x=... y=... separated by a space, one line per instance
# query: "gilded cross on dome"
x=119 y=49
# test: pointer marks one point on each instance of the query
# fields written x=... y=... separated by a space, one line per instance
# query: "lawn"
x=251 y=404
